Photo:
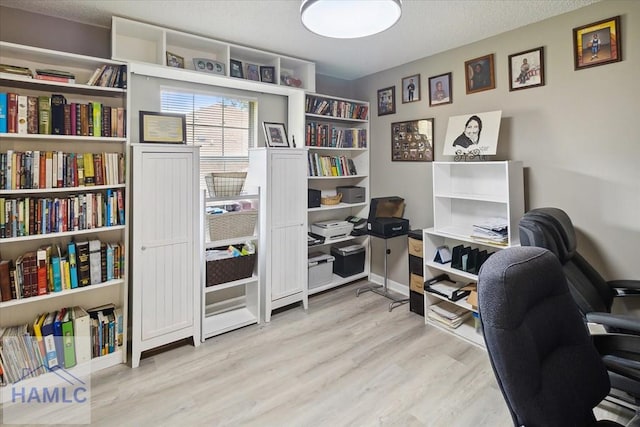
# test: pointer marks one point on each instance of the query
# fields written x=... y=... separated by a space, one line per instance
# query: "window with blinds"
x=222 y=126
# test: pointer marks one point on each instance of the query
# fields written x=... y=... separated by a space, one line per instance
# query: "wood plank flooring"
x=347 y=361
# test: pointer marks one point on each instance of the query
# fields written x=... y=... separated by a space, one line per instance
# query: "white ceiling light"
x=349 y=19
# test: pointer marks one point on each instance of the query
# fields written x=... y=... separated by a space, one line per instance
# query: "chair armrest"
x=619 y=321
x=625 y=287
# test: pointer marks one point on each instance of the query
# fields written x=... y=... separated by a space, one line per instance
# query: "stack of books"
x=448 y=314
x=7 y=70
x=55 y=76
x=493 y=230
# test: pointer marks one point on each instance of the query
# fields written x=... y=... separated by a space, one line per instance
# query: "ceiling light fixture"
x=349 y=19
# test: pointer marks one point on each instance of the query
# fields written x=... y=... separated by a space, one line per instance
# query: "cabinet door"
x=164 y=197
x=288 y=224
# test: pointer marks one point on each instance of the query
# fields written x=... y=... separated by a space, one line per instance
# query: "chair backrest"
x=552 y=229
x=544 y=360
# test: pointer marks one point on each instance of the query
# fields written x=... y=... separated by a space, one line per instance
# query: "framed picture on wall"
x=387 y=101
x=235 y=69
x=479 y=74
x=526 y=69
x=411 y=89
x=174 y=60
x=162 y=128
x=412 y=141
x=440 y=91
x=598 y=43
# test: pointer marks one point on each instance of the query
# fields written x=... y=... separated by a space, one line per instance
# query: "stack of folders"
x=448 y=314
x=493 y=230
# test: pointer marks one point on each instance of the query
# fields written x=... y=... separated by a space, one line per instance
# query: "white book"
x=48 y=164
x=82 y=332
x=22 y=114
x=94 y=262
x=35 y=177
x=54 y=170
x=60 y=166
x=10 y=166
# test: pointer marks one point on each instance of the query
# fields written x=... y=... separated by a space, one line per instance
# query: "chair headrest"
x=549 y=228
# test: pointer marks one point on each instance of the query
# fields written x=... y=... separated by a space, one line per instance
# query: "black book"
x=57 y=114
x=84 y=268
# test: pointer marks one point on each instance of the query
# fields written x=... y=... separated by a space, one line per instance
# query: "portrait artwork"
x=479 y=74
x=472 y=135
x=526 y=69
x=598 y=43
x=387 y=101
x=411 y=89
x=440 y=90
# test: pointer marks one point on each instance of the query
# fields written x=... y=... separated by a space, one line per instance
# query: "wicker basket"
x=230 y=269
x=223 y=184
x=331 y=200
x=231 y=225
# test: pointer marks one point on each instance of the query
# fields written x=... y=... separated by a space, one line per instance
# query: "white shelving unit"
x=466 y=194
x=25 y=310
x=140 y=42
x=323 y=128
x=231 y=305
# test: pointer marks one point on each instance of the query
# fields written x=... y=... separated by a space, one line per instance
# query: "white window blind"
x=222 y=126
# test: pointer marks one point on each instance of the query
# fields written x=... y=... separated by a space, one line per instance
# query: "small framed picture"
x=165 y=128
x=275 y=134
x=526 y=69
x=479 y=74
x=440 y=91
x=387 y=101
x=253 y=72
x=412 y=141
x=598 y=43
x=235 y=69
x=208 y=66
x=411 y=89
x=267 y=74
x=174 y=60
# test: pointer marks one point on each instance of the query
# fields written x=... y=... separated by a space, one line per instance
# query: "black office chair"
x=548 y=370
x=551 y=228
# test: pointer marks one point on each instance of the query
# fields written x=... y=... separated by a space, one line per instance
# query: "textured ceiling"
x=425 y=28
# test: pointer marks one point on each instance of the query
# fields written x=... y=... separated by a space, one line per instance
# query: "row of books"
x=325 y=135
x=107 y=75
x=336 y=108
x=31 y=216
x=25 y=114
x=50 y=269
x=59 y=339
x=330 y=165
x=21 y=170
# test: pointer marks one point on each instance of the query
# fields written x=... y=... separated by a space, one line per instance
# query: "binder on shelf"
x=82 y=334
x=68 y=341
x=49 y=340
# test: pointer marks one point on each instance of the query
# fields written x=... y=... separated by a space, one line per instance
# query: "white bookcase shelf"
x=468 y=193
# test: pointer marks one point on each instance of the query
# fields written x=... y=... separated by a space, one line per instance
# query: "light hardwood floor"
x=347 y=361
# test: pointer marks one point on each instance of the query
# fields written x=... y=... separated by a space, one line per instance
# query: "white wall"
x=576 y=135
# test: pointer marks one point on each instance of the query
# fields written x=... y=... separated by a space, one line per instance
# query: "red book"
x=41 y=258
x=32 y=114
x=98 y=169
x=5 y=280
x=12 y=112
x=55 y=78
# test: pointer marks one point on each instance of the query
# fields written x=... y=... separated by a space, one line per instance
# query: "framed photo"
x=267 y=74
x=166 y=128
x=235 y=69
x=440 y=91
x=174 y=60
x=479 y=74
x=526 y=69
x=411 y=89
x=598 y=43
x=412 y=141
x=472 y=134
x=253 y=72
x=275 y=134
x=387 y=101
x=208 y=66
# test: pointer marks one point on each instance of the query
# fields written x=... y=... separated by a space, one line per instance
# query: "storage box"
x=349 y=260
x=231 y=225
x=416 y=303
x=230 y=269
x=385 y=217
x=416 y=283
x=222 y=184
x=320 y=269
x=351 y=194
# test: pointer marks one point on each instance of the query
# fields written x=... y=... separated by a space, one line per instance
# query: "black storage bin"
x=415 y=265
x=416 y=303
x=348 y=260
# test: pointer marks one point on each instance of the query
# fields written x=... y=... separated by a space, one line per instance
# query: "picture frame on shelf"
x=387 y=101
x=526 y=69
x=440 y=90
x=174 y=60
x=598 y=43
x=163 y=128
x=480 y=74
x=412 y=141
x=411 y=89
x=472 y=135
x=208 y=66
x=267 y=74
x=275 y=134
x=235 y=69
x=253 y=72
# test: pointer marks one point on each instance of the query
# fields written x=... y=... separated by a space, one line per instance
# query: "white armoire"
x=281 y=174
x=165 y=280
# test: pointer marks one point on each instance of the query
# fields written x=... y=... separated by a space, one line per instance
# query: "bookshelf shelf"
x=326 y=120
x=18 y=142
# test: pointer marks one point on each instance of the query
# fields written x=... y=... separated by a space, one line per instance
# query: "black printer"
x=385 y=217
